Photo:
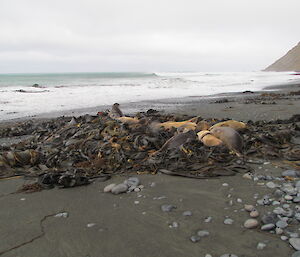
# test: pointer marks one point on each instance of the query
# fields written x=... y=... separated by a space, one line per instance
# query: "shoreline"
x=168 y=105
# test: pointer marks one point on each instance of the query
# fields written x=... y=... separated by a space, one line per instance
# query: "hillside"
x=289 y=62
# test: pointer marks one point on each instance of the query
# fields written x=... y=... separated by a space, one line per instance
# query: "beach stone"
x=296 y=199
x=295 y=243
x=90 y=225
x=249 y=207
x=132 y=181
x=108 y=188
x=228 y=255
x=288 y=197
x=228 y=221
x=225 y=184
x=195 y=239
x=286 y=206
x=278 y=193
x=208 y=219
x=290 y=173
x=251 y=223
x=275 y=203
x=269 y=218
x=294 y=235
x=187 y=213
x=167 y=207
x=297 y=185
x=118 y=189
x=208 y=255
x=278 y=210
x=284 y=238
x=279 y=231
x=203 y=233
x=281 y=224
x=62 y=215
x=297 y=216
x=288 y=213
x=271 y=185
x=239 y=200
x=296 y=254
x=261 y=246
x=267 y=227
x=174 y=224
x=254 y=214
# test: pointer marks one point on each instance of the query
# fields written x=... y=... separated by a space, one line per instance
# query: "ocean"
x=32 y=94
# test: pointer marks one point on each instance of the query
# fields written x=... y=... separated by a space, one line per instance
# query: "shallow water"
x=66 y=91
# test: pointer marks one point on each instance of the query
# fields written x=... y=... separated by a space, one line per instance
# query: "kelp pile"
x=92 y=146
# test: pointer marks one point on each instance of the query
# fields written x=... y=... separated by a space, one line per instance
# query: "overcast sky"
x=139 y=35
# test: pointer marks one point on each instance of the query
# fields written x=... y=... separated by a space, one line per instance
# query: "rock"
x=290 y=173
x=89 y=225
x=247 y=176
x=254 y=214
x=108 y=188
x=297 y=216
x=249 y=207
x=288 y=197
x=167 y=207
x=284 y=238
x=279 y=231
x=174 y=224
x=296 y=254
x=297 y=185
x=195 y=239
x=295 y=243
x=278 y=210
x=136 y=202
x=208 y=219
x=294 y=235
x=251 y=223
x=296 y=199
x=225 y=185
x=239 y=200
x=228 y=221
x=62 y=215
x=281 y=224
x=278 y=193
x=203 y=233
x=267 y=227
x=261 y=246
x=288 y=213
x=275 y=203
x=269 y=218
x=120 y=188
x=132 y=181
x=137 y=189
x=187 y=213
x=271 y=185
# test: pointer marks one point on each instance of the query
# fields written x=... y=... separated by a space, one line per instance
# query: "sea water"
x=19 y=97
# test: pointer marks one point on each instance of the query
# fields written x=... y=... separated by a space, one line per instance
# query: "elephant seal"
x=231 y=138
x=115 y=111
x=237 y=125
x=208 y=139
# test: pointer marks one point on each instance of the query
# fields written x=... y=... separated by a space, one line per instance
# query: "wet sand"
x=120 y=226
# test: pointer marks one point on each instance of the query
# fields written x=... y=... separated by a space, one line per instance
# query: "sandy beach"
x=84 y=221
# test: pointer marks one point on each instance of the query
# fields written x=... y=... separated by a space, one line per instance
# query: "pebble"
x=208 y=255
x=108 y=188
x=296 y=254
x=203 y=233
x=297 y=184
x=228 y=221
x=288 y=197
x=294 y=235
x=22 y=199
x=136 y=202
x=174 y=224
x=137 y=189
x=279 y=231
x=281 y=224
x=132 y=181
x=195 y=239
x=275 y=203
x=239 y=200
x=290 y=173
x=187 y=213
x=249 y=207
x=278 y=210
x=295 y=242
x=251 y=223
x=247 y=176
x=284 y=238
x=269 y=218
x=271 y=185
x=297 y=216
x=261 y=246
x=254 y=214
x=278 y=193
x=167 y=207
x=118 y=189
x=296 y=199
x=89 y=225
x=208 y=219
x=62 y=215
x=225 y=185
x=267 y=227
